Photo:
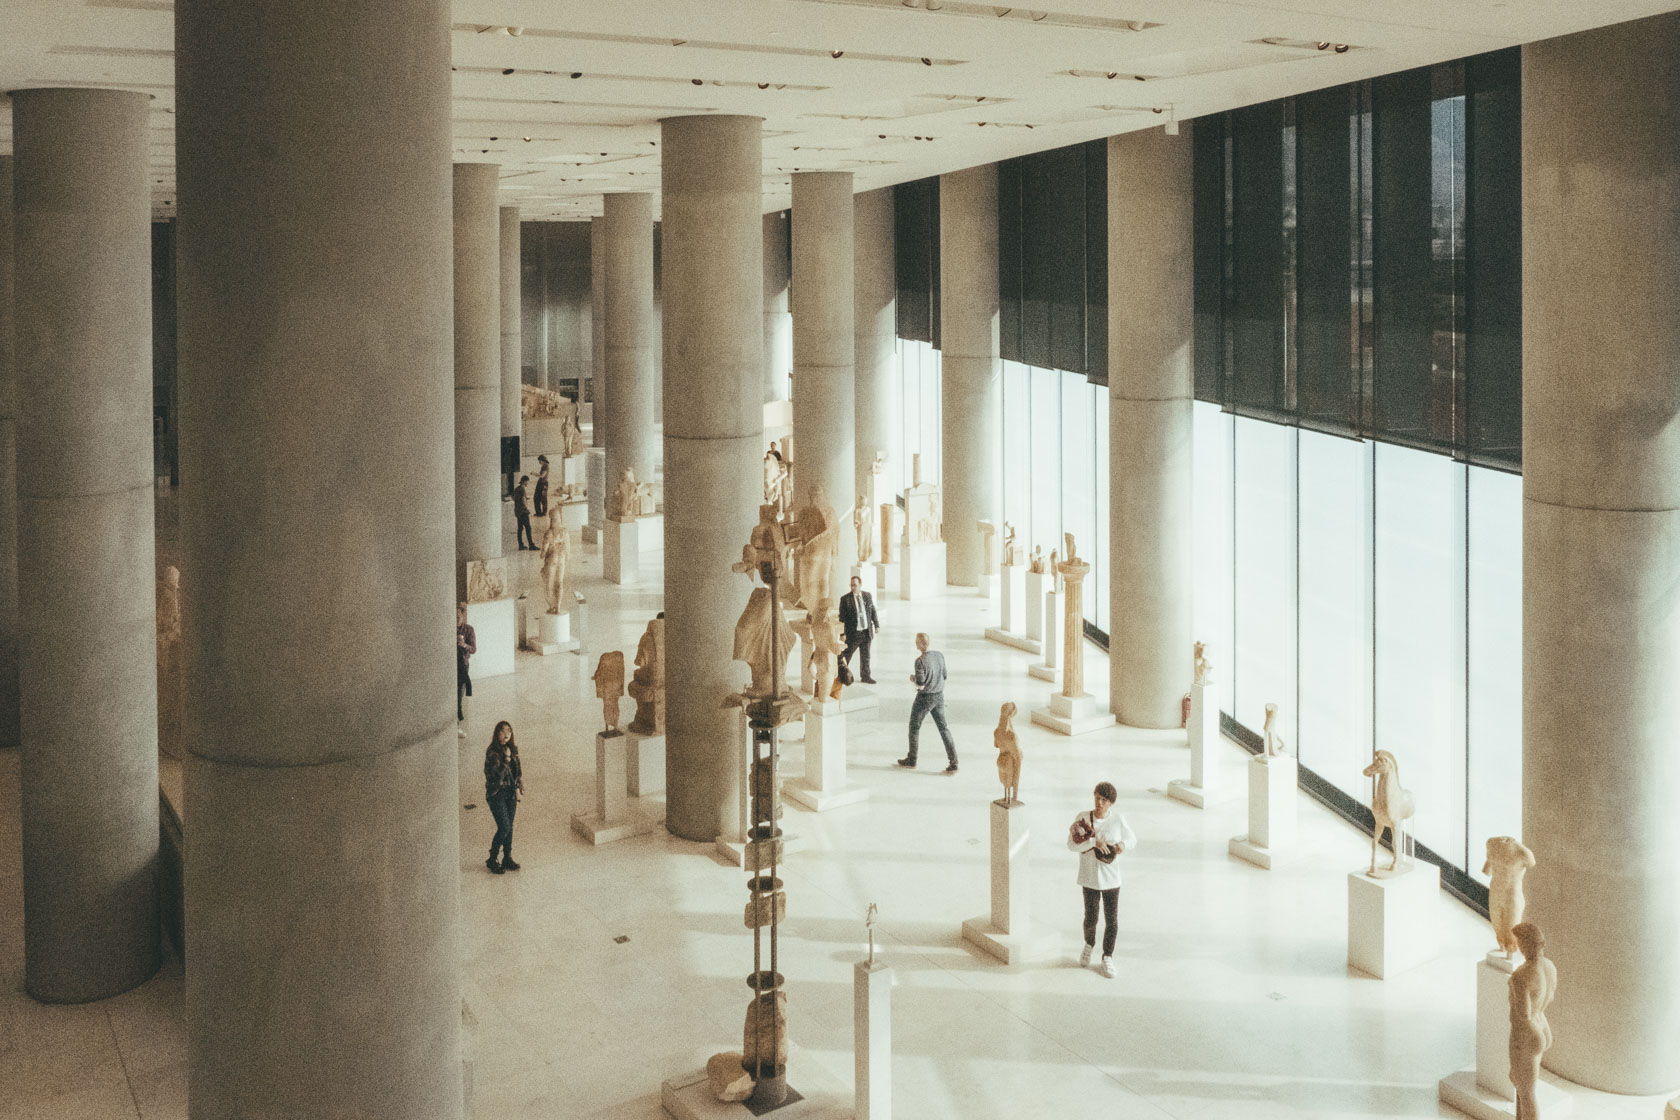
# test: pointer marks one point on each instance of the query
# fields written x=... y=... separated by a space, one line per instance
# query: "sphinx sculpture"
x=1507 y=863
x=1533 y=986
x=1390 y=805
x=1009 y=754
x=609 y=686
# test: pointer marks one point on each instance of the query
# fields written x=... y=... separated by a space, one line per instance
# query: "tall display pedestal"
x=986 y=585
x=1203 y=787
x=858 y=697
x=1394 y=923
x=1011 y=629
x=595 y=480
x=621 y=552
x=865 y=574
x=645 y=764
x=824 y=785
x=1007 y=933
x=1272 y=808
x=574 y=514
x=872 y=986
x=612 y=819
x=495 y=626
x=1037 y=584
x=1486 y=1091
x=1671 y=1110
x=820 y=1095
x=921 y=570
x=733 y=846
x=1072 y=715
x=1050 y=670
x=549 y=634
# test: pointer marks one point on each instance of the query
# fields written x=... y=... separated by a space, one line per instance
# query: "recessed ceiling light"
x=509 y=70
x=577 y=73
x=927 y=61
x=836 y=54
x=697 y=81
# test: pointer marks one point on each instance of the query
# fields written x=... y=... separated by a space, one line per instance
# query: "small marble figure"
x=1203 y=667
x=1035 y=563
x=1011 y=550
x=869 y=919
x=1275 y=745
x=571 y=435
x=828 y=642
x=609 y=686
x=1533 y=987
x=556 y=558
x=647 y=687
x=1507 y=863
x=1390 y=805
x=1009 y=754
x=627 y=497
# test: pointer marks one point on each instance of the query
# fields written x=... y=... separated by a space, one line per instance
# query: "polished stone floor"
x=592 y=974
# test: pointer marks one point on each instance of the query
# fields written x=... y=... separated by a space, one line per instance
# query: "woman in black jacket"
x=503 y=783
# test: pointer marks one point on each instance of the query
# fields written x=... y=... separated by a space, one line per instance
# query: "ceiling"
x=890 y=90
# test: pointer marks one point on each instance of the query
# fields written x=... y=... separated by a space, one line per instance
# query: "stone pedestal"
x=1011 y=629
x=1394 y=923
x=1037 y=583
x=1463 y=1092
x=824 y=785
x=872 y=986
x=858 y=697
x=1050 y=669
x=1203 y=786
x=921 y=570
x=549 y=634
x=645 y=764
x=621 y=552
x=987 y=587
x=865 y=573
x=1272 y=808
x=612 y=818
x=595 y=476
x=1072 y=715
x=822 y=1096
x=496 y=630
x=574 y=515
x=1007 y=933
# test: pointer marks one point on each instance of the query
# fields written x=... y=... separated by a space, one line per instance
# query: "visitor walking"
x=503 y=783
x=929 y=679
x=466 y=644
x=1099 y=836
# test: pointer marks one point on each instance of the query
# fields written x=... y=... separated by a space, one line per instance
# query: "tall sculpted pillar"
x=322 y=798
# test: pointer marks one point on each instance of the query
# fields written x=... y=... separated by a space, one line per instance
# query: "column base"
x=1258 y=854
x=645 y=764
x=813 y=1094
x=591 y=533
x=597 y=831
x=1048 y=673
x=1010 y=948
x=1462 y=1091
x=1018 y=641
x=496 y=629
x=552 y=634
x=1394 y=923
x=1072 y=715
x=1200 y=797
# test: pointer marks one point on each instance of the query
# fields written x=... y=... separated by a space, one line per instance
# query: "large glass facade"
x=918 y=429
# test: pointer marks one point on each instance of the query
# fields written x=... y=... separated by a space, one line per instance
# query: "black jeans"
x=858 y=643
x=926 y=704
x=522 y=533
x=502 y=804
x=463 y=683
x=1111 y=910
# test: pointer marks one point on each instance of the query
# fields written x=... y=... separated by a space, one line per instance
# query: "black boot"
x=507 y=862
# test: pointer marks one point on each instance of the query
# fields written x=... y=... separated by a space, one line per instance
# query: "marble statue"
x=1055 y=572
x=647 y=687
x=754 y=629
x=923 y=513
x=1507 y=863
x=1009 y=754
x=609 y=686
x=869 y=919
x=1274 y=744
x=727 y=1076
x=761 y=1027
x=1203 y=667
x=486 y=579
x=988 y=560
x=1390 y=805
x=863 y=523
x=820 y=630
x=536 y=403
x=1035 y=562
x=814 y=534
x=630 y=499
x=171 y=685
x=571 y=435
x=1073 y=571
x=1011 y=550
x=1532 y=988
x=556 y=558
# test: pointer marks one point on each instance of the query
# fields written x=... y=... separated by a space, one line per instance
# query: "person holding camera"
x=1099 y=836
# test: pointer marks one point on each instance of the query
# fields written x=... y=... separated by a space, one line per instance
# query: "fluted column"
x=823 y=408
x=508 y=262
x=478 y=366
x=1601 y=543
x=778 y=317
x=970 y=368
x=632 y=380
x=1150 y=393
x=323 y=787
x=87 y=633
x=8 y=473
x=714 y=425
x=875 y=329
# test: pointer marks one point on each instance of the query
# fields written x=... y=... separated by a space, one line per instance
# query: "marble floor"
x=592 y=974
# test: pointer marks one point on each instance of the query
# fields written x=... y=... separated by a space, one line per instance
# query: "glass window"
x=1495 y=659
x=1099 y=424
x=1264 y=547
x=1078 y=492
x=1045 y=530
x=1211 y=514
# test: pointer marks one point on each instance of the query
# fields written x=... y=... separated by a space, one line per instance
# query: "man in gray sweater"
x=929 y=679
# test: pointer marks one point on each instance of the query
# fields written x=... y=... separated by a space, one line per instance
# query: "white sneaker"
x=1107 y=967
x=1085 y=956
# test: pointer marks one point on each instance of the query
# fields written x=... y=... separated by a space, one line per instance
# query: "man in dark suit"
x=857 y=615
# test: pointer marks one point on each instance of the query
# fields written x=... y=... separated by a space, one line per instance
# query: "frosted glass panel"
x=1046 y=528
x=1265 y=576
x=1420 y=603
x=1335 y=633
x=1212 y=537
x=1099 y=417
x=1078 y=494
x=1017 y=449
x=1495 y=660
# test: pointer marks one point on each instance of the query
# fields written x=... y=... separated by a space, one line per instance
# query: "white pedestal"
x=612 y=819
x=1050 y=670
x=1072 y=715
x=1203 y=787
x=872 y=986
x=986 y=585
x=645 y=764
x=621 y=552
x=1012 y=592
x=574 y=515
x=865 y=575
x=921 y=571
x=496 y=630
x=1463 y=1092
x=1486 y=1091
x=1037 y=584
x=650 y=533
x=858 y=697
x=824 y=785
x=1272 y=808
x=826 y=1097
x=1394 y=923
x=550 y=633
x=1007 y=933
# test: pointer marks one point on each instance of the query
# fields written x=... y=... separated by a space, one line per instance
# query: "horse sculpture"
x=1390 y=805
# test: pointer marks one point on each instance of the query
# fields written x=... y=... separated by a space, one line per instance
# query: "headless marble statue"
x=609 y=686
x=556 y=558
x=1507 y=862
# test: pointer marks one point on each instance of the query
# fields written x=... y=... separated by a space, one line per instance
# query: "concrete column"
x=1150 y=392
x=714 y=425
x=1601 y=543
x=478 y=367
x=875 y=329
x=970 y=369
x=87 y=633
x=322 y=789
x=8 y=474
x=508 y=260
x=823 y=409
x=598 y=337
x=778 y=318
x=631 y=376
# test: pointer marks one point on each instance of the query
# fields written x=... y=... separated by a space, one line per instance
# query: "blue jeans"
x=502 y=806
x=926 y=704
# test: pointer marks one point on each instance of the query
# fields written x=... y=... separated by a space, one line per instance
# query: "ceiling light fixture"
x=1001 y=12
x=1113 y=74
x=1322 y=46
